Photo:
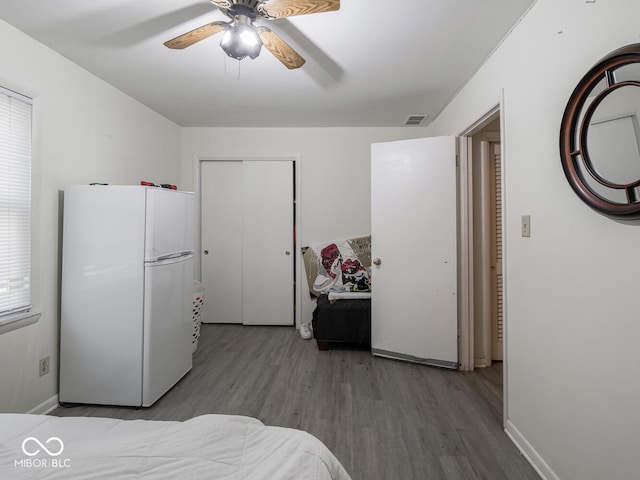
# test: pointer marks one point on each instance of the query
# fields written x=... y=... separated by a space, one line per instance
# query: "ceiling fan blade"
x=289 y=8
x=189 y=38
x=280 y=49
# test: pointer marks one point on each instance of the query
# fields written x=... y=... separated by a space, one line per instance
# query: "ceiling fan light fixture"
x=241 y=39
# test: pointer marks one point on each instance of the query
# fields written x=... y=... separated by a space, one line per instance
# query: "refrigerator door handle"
x=169 y=259
x=168 y=255
x=175 y=255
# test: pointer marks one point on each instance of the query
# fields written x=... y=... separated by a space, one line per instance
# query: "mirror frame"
x=573 y=136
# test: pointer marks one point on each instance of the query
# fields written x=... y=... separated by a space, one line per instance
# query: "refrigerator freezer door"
x=170 y=223
x=168 y=326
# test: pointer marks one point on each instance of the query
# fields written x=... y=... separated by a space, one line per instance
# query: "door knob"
x=206 y=252
x=377 y=261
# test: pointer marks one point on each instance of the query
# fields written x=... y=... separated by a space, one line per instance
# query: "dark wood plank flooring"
x=383 y=419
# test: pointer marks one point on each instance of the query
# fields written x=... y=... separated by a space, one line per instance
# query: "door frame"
x=197 y=182
x=466 y=317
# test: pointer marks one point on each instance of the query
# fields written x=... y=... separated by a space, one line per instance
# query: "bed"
x=216 y=447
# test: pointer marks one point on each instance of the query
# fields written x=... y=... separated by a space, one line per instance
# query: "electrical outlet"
x=44 y=366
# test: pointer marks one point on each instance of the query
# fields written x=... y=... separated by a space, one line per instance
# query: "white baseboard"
x=46 y=406
x=527 y=450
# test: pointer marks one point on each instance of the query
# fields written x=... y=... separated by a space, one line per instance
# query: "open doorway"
x=481 y=181
x=487 y=255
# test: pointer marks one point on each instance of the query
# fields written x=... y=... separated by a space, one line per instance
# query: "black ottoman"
x=345 y=320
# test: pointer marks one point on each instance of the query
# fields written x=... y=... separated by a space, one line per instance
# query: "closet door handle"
x=377 y=261
x=287 y=252
x=206 y=252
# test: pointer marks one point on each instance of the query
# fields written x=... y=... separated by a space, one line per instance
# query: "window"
x=15 y=210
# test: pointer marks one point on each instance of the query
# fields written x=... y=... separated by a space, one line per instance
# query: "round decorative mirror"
x=600 y=135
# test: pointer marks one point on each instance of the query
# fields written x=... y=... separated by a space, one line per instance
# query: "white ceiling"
x=371 y=63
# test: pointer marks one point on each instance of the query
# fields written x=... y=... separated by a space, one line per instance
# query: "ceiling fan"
x=243 y=38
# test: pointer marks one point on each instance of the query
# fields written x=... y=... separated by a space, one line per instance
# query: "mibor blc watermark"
x=42 y=455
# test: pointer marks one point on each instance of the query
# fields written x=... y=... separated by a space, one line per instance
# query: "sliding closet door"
x=267 y=235
x=221 y=224
x=247 y=242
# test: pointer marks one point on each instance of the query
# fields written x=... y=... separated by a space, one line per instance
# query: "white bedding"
x=348 y=295
x=206 y=447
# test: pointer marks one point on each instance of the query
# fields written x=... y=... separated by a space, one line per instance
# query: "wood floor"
x=383 y=419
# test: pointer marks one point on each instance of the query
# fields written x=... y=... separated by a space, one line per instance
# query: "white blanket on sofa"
x=206 y=447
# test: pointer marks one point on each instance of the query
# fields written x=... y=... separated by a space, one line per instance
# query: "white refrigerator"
x=126 y=298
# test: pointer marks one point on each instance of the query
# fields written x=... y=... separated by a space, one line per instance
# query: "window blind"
x=15 y=203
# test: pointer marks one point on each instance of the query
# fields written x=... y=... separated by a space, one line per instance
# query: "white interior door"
x=221 y=226
x=247 y=242
x=414 y=247
x=267 y=236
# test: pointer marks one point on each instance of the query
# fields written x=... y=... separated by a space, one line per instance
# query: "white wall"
x=334 y=170
x=572 y=309
x=84 y=131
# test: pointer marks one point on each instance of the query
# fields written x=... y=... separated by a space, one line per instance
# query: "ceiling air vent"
x=414 y=120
